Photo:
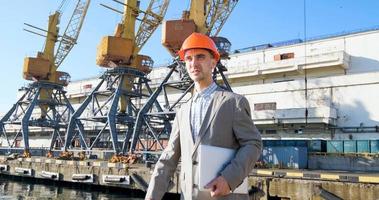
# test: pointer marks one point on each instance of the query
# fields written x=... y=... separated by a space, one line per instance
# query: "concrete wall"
x=361 y=47
x=345 y=163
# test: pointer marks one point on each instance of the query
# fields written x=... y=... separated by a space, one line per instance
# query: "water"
x=16 y=188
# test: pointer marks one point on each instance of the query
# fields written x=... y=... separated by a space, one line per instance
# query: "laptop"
x=212 y=160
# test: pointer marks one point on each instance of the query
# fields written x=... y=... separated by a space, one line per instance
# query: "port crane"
x=113 y=103
x=152 y=124
x=46 y=91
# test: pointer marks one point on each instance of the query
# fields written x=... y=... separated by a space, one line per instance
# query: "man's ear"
x=214 y=63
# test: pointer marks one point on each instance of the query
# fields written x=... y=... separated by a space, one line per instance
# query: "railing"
x=298 y=41
x=329 y=59
x=327 y=115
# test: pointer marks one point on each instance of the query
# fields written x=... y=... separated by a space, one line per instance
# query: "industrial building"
x=342 y=73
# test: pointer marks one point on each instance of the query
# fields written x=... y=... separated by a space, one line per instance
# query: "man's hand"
x=219 y=187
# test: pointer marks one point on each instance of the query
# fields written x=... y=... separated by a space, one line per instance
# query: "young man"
x=212 y=117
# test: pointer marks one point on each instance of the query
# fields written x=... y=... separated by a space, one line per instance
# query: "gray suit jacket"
x=227 y=124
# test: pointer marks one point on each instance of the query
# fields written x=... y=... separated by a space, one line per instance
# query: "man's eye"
x=200 y=56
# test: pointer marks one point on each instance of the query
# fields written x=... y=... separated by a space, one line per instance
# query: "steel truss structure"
x=152 y=127
x=100 y=109
x=25 y=113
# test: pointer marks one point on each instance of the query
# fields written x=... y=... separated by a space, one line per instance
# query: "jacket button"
x=195 y=186
x=194 y=162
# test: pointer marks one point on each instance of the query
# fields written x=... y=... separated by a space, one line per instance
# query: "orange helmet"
x=198 y=41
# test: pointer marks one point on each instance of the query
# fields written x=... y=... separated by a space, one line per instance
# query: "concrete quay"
x=94 y=172
x=263 y=183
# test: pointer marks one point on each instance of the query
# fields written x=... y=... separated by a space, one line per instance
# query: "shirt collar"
x=206 y=92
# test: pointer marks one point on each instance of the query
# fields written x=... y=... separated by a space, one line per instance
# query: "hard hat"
x=198 y=41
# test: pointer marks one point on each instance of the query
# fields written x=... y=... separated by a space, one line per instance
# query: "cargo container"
x=350 y=146
x=374 y=146
x=334 y=146
x=363 y=146
x=285 y=157
x=285 y=143
x=317 y=146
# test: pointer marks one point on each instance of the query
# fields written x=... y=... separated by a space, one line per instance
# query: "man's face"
x=200 y=64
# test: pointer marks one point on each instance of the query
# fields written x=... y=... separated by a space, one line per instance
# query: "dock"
x=263 y=183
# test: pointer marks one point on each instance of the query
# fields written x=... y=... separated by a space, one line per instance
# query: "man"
x=212 y=117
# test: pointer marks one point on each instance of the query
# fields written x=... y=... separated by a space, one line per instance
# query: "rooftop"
x=298 y=41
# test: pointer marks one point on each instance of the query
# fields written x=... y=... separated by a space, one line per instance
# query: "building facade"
x=322 y=88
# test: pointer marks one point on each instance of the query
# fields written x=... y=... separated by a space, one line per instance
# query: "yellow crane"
x=44 y=66
x=114 y=110
x=152 y=124
x=46 y=90
x=122 y=49
x=207 y=17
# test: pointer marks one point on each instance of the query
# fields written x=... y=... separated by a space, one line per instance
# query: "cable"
x=305 y=64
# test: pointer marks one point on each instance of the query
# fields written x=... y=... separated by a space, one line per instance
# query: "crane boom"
x=150 y=22
x=217 y=14
x=210 y=16
x=72 y=31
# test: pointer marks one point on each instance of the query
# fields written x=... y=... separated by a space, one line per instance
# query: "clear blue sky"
x=253 y=22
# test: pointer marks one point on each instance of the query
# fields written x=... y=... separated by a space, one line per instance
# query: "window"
x=87 y=86
x=284 y=56
x=265 y=106
x=271 y=132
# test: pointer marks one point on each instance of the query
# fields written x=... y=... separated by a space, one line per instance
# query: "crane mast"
x=51 y=39
x=197 y=14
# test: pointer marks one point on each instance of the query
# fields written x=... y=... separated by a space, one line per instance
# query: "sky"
x=252 y=22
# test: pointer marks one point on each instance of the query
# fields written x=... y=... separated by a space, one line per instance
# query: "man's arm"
x=166 y=165
x=250 y=142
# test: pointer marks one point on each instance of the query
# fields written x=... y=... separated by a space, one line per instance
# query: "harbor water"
x=14 y=188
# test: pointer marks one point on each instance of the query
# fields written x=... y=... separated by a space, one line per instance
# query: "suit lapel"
x=211 y=112
x=187 y=120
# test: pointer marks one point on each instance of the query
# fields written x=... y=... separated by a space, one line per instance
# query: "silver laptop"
x=212 y=160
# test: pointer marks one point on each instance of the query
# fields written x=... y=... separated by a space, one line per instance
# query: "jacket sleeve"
x=166 y=165
x=250 y=143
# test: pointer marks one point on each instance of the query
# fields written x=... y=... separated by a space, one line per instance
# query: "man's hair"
x=210 y=52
